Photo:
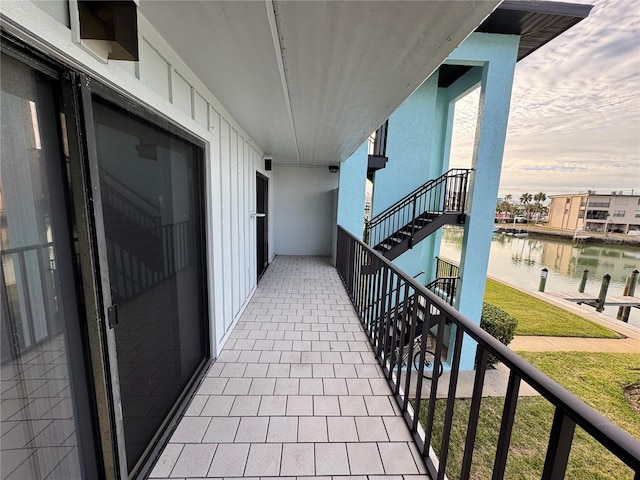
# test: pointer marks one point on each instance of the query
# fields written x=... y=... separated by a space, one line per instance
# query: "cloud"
x=575 y=110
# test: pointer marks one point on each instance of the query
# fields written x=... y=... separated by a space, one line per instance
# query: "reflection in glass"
x=151 y=201
x=38 y=406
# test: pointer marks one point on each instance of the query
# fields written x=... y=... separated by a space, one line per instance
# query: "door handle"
x=258 y=215
x=112 y=316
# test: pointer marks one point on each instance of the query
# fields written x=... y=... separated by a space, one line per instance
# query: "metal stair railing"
x=445 y=194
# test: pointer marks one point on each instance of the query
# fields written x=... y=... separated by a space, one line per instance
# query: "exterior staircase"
x=438 y=202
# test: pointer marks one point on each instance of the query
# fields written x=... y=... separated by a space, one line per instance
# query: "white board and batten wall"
x=163 y=83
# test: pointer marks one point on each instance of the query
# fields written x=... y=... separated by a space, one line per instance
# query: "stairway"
x=438 y=202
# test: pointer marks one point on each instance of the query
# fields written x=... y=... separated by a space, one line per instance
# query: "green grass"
x=598 y=379
x=536 y=317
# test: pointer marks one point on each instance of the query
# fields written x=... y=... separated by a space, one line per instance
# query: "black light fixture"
x=334 y=168
x=267 y=164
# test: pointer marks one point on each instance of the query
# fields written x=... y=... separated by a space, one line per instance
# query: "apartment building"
x=157 y=156
x=616 y=212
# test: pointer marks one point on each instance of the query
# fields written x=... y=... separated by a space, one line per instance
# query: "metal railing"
x=446 y=281
x=445 y=194
x=32 y=315
x=444 y=287
x=386 y=302
x=446 y=268
x=131 y=276
x=134 y=208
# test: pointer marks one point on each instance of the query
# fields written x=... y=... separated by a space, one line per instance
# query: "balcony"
x=303 y=386
x=297 y=391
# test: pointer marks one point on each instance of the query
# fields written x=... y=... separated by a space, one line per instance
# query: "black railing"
x=131 y=275
x=444 y=287
x=386 y=302
x=446 y=268
x=33 y=315
x=134 y=207
x=445 y=194
x=446 y=281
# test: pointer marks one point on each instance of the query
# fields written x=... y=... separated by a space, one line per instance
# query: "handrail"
x=407 y=199
x=445 y=194
x=446 y=268
x=108 y=179
x=368 y=295
x=444 y=287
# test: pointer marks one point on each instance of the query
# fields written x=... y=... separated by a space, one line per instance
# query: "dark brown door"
x=262 y=244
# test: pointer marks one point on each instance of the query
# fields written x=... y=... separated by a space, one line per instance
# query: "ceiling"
x=536 y=22
x=310 y=80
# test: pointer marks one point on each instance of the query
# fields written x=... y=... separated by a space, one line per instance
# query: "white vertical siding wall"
x=164 y=84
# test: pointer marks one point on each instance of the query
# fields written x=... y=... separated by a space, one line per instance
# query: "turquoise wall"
x=418 y=148
x=497 y=53
x=351 y=189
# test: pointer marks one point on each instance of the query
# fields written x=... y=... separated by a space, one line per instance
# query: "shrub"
x=499 y=324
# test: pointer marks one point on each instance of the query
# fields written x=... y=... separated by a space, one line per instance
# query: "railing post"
x=559 y=447
x=413 y=221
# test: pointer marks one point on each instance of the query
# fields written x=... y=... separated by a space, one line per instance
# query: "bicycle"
x=429 y=356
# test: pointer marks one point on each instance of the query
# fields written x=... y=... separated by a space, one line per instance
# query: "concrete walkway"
x=573 y=344
x=296 y=392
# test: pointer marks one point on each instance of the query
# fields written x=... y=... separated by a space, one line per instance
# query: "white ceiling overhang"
x=310 y=80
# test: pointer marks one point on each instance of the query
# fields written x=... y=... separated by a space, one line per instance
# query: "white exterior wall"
x=162 y=83
x=304 y=200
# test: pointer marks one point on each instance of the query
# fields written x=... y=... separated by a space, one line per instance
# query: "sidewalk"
x=573 y=344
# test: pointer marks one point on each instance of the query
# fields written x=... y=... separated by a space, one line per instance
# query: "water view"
x=518 y=261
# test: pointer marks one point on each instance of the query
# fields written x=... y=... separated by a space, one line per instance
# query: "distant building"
x=594 y=212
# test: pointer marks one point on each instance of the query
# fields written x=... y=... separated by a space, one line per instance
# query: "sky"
x=575 y=110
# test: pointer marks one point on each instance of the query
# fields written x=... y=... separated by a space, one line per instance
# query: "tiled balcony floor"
x=296 y=392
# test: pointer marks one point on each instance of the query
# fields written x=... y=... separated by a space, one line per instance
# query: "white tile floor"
x=296 y=392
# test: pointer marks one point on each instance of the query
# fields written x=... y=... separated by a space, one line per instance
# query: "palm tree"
x=525 y=199
x=537 y=208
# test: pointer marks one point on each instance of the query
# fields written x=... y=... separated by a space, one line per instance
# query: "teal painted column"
x=351 y=190
x=441 y=151
x=410 y=140
x=498 y=53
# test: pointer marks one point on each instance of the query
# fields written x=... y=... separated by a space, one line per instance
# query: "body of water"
x=518 y=261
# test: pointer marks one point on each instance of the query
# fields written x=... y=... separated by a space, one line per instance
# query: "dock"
x=592 y=300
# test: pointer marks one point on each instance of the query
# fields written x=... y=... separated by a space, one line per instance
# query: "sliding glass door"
x=46 y=409
x=104 y=317
x=151 y=196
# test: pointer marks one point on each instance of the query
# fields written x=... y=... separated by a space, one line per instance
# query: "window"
x=618 y=213
x=597 y=214
x=637 y=215
x=599 y=204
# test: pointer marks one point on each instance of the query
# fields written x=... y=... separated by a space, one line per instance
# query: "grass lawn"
x=598 y=379
x=536 y=317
